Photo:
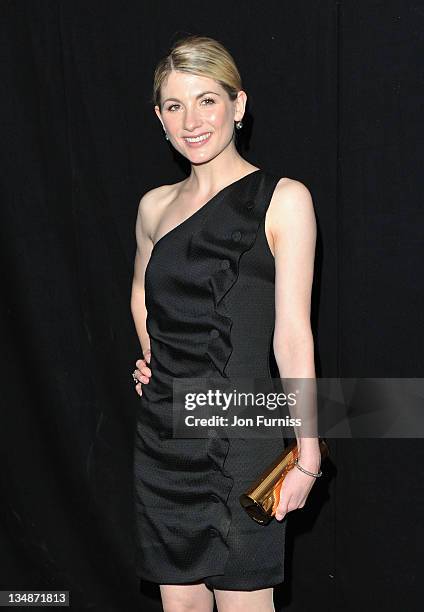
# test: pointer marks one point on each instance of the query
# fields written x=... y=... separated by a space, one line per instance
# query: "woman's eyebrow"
x=198 y=96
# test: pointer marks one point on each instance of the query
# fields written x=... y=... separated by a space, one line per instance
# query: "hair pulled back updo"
x=202 y=56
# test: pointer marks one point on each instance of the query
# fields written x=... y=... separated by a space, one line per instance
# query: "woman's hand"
x=142 y=372
x=296 y=486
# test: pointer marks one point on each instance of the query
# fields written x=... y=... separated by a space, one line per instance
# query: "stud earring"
x=239 y=125
x=166 y=135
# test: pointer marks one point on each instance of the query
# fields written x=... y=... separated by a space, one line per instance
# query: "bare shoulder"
x=290 y=194
x=151 y=207
x=291 y=205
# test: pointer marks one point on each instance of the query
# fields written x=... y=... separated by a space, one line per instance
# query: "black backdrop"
x=335 y=100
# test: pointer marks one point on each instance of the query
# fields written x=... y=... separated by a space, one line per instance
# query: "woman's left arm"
x=292 y=225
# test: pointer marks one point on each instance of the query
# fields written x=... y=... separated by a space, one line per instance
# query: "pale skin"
x=290 y=229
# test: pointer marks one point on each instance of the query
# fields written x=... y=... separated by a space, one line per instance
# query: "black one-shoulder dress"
x=209 y=287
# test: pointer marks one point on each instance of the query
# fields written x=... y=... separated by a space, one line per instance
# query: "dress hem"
x=207 y=579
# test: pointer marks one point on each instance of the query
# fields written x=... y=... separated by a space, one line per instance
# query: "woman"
x=223 y=268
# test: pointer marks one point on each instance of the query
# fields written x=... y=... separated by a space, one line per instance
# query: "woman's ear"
x=158 y=114
x=240 y=105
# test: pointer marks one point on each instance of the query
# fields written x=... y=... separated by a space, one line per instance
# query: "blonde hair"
x=202 y=56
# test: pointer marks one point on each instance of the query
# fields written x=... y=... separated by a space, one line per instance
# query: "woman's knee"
x=245 y=601
x=186 y=598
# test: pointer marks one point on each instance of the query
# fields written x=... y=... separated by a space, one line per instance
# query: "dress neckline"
x=196 y=212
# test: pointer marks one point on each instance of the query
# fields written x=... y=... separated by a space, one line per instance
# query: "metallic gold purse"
x=261 y=500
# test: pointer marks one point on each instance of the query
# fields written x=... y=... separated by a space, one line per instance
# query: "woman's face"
x=194 y=106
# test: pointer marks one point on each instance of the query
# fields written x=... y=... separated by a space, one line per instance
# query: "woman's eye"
x=172 y=107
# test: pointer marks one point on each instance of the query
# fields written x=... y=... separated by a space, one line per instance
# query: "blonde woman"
x=223 y=271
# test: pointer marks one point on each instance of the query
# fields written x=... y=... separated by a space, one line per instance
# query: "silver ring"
x=134 y=377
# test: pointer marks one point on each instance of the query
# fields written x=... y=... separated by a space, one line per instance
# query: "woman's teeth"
x=199 y=138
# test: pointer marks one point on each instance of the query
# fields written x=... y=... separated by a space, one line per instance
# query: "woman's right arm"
x=138 y=304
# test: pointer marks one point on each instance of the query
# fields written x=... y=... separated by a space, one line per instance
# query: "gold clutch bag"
x=261 y=500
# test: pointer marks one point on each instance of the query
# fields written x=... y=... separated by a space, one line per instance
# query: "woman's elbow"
x=137 y=295
x=290 y=345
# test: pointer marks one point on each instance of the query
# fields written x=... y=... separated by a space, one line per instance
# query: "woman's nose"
x=191 y=120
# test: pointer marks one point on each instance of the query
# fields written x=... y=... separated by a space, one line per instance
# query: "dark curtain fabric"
x=335 y=100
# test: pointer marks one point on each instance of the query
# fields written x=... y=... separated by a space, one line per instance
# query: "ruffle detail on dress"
x=217 y=247
x=221 y=242
x=217 y=449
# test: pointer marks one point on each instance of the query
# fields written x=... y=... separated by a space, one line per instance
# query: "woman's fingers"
x=142 y=374
x=282 y=510
x=143 y=369
x=294 y=492
x=285 y=507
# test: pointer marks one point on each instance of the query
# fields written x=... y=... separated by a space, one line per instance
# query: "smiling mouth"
x=200 y=138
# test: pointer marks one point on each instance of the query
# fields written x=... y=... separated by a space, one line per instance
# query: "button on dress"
x=209 y=291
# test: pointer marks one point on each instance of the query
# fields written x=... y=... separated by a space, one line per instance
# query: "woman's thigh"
x=185 y=597
x=246 y=601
